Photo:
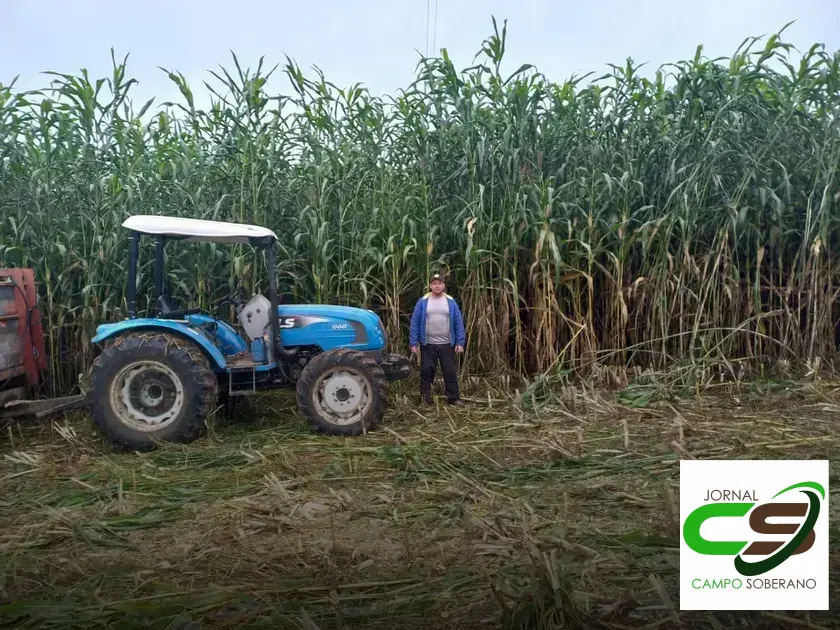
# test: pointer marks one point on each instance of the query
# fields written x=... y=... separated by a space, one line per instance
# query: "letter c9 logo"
x=800 y=538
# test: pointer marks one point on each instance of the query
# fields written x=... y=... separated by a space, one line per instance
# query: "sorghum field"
x=646 y=267
x=688 y=218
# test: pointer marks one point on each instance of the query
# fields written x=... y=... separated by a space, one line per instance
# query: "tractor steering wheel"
x=234 y=298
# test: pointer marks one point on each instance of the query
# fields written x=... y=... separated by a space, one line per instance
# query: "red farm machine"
x=23 y=360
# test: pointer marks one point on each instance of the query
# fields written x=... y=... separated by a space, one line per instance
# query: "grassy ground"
x=563 y=515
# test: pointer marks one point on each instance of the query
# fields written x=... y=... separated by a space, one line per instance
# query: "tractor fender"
x=109 y=331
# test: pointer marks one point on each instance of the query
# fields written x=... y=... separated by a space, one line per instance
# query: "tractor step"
x=242 y=362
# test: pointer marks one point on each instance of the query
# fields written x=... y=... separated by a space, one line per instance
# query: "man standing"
x=437 y=333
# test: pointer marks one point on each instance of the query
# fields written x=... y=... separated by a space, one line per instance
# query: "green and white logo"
x=754 y=535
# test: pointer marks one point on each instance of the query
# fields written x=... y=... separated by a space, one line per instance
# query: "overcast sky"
x=378 y=42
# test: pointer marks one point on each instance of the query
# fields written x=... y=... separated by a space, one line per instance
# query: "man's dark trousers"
x=430 y=354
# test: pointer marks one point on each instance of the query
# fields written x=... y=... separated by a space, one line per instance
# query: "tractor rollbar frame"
x=159 y=272
x=270 y=246
x=271 y=263
x=131 y=289
x=131 y=285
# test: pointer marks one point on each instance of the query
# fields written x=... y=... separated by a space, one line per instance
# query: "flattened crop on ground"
x=563 y=515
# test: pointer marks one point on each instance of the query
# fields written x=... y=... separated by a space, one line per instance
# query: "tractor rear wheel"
x=151 y=387
x=342 y=392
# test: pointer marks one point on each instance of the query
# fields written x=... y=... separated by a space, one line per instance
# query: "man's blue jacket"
x=417 y=332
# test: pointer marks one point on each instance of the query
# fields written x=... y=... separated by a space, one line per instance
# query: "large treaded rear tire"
x=164 y=358
x=362 y=370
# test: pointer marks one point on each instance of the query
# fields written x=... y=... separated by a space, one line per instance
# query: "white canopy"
x=196 y=229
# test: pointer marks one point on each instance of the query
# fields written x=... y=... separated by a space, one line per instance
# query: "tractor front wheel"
x=148 y=388
x=342 y=392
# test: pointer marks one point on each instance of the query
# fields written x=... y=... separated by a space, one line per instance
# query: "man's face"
x=437 y=287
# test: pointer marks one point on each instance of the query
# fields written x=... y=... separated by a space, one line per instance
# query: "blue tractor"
x=158 y=378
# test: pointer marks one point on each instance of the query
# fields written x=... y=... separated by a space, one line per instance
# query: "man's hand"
x=415 y=349
x=459 y=349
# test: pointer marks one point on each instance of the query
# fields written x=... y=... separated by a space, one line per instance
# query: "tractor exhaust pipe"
x=272 y=298
x=271 y=253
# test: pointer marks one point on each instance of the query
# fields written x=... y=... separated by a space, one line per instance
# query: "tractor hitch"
x=40 y=408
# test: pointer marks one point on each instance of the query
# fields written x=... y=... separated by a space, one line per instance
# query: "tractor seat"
x=168 y=309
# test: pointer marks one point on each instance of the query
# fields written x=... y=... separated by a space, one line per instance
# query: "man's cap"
x=437 y=276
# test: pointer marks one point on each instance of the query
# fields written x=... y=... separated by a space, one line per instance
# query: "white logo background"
x=765 y=478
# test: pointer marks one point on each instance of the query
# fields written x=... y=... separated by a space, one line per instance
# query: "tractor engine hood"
x=330 y=326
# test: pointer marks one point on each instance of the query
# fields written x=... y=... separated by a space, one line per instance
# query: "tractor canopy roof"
x=196 y=230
